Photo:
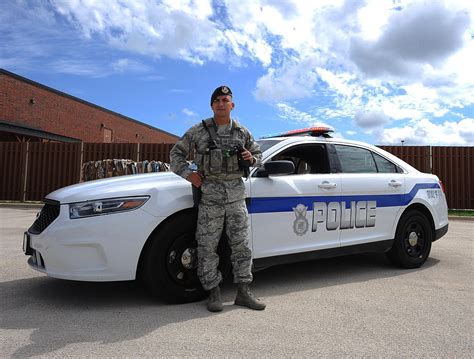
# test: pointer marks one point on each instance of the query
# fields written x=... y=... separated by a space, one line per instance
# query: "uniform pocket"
x=235 y=163
x=230 y=163
x=205 y=163
x=237 y=192
x=215 y=165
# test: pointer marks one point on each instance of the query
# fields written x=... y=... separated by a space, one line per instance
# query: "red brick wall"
x=62 y=115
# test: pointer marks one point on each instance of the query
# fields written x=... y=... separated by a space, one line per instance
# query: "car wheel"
x=170 y=267
x=413 y=239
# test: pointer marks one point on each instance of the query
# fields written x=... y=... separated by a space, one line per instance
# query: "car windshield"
x=266 y=144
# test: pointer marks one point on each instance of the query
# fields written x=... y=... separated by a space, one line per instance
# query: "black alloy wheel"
x=181 y=261
x=170 y=261
x=169 y=267
x=412 y=244
x=414 y=239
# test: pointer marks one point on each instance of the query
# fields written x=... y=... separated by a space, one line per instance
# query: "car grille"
x=48 y=214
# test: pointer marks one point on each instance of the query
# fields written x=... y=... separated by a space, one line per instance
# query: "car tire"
x=170 y=262
x=413 y=239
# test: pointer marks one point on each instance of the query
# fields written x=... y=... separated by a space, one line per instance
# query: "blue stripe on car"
x=286 y=204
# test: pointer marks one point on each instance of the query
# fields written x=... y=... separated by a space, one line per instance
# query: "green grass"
x=460 y=212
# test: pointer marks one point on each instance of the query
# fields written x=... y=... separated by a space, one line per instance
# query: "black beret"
x=221 y=90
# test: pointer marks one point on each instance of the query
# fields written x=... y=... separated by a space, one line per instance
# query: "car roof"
x=292 y=139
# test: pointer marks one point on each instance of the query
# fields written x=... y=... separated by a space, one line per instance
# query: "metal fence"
x=29 y=171
x=453 y=165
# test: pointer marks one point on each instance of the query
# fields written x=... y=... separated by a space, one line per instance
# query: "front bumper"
x=102 y=248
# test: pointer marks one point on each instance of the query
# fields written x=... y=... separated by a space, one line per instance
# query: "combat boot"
x=214 y=303
x=245 y=298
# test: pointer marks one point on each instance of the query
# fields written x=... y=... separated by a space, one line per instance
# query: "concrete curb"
x=461 y=218
x=22 y=205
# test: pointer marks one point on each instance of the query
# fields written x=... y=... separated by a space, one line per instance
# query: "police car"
x=313 y=197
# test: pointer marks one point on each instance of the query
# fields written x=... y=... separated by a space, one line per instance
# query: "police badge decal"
x=300 y=225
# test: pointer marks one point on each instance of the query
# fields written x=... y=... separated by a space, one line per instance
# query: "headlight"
x=105 y=206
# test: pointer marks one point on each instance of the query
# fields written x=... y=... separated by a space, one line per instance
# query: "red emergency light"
x=316 y=131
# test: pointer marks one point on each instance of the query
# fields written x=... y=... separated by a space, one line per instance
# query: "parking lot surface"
x=355 y=306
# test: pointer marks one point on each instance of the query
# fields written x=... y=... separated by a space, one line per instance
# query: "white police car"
x=314 y=197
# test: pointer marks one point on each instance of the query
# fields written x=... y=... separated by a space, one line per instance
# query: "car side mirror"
x=281 y=167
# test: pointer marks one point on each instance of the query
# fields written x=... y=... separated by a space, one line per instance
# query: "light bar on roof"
x=312 y=131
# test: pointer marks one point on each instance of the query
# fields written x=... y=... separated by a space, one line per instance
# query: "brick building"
x=30 y=111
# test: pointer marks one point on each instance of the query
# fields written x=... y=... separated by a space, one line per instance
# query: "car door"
x=288 y=212
x=372 y=188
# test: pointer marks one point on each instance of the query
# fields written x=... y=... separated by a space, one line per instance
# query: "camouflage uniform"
x=223 y=197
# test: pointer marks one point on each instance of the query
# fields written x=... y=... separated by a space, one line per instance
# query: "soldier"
x=223 y=150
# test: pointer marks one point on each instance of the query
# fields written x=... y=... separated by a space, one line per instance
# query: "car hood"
x=122 y=186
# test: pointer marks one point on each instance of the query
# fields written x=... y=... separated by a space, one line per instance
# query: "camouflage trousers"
x=222 y=206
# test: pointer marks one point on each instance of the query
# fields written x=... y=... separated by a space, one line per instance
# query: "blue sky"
x=376 y=71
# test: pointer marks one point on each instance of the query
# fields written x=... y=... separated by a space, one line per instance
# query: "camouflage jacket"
x=220 y=163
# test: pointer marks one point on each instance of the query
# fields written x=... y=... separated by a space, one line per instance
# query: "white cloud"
x=428 y=133
x=288 y=20
x=78 y=67
x=129 y=65
x=175 y=29
x=427 y=45
x=28 y=33
x=377 y=62
x=189 y=113
x=372 y=18
x=292 y=81
x=351 y=98
x=419 y=35
x=255 y=48
x=371 y=119
x=291 y=114
x=81 y=67
x=153 y=78
x=351 y=133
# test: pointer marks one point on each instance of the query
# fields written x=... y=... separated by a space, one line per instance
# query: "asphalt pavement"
x=356 y=306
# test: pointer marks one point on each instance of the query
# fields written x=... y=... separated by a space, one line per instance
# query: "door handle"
x=394 y=184
x=327 y=185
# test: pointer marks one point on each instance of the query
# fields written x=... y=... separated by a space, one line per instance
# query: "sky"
x=376 y=71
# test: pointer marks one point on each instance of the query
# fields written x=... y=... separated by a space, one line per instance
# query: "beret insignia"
x=221 y=90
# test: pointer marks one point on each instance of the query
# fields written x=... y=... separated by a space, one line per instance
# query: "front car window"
x=307 y=158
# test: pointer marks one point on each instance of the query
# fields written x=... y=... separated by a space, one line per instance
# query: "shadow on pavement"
x=65 y=312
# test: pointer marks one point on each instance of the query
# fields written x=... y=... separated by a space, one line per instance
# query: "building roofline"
x=21 y=129
x=57 y=92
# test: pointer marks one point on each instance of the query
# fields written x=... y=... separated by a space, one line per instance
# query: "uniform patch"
x=300 y=225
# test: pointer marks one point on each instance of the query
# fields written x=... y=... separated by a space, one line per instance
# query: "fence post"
x=431 y=159
x=25 y=177
x=81 y=161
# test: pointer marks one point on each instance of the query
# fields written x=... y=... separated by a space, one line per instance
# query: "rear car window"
x=359 y=160
x=385 y=166
x=355 y=159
